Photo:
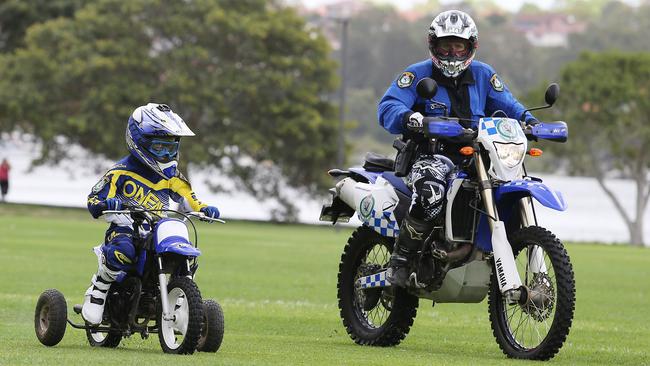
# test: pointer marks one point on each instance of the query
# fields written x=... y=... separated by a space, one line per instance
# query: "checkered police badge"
x=489 y=125
x=382 y=222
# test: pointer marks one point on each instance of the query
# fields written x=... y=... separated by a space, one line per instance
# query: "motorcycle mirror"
x=426 y=88
x=552 y=92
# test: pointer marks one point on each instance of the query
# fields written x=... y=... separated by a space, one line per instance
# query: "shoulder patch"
x=100 y=185
x=496 y=83
x=406 y=79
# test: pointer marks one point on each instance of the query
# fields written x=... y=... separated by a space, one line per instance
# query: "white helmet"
x=153 y=136
x=459 y=25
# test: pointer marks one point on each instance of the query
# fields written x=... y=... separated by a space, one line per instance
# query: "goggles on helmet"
x=164 y=149
x=452 y=48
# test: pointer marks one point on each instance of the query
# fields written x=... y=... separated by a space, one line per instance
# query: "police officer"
x=147 y=177
x=469 y=90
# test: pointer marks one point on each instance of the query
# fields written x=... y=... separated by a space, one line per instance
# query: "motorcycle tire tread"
x=399 y=322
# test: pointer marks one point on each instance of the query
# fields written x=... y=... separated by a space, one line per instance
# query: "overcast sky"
x=512 y=5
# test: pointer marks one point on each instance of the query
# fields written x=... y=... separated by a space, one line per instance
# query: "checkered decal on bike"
x=383 y=222
x=375 y=280
x=490 y=125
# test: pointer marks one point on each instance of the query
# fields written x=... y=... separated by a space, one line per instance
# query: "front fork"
x=164 y=299
x=536 y=253
x=504 y=261
x=162 y=282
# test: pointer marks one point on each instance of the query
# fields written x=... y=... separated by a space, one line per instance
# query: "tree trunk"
x=634 y=225
x=636 y=232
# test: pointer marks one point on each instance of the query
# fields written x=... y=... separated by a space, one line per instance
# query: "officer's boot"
x=412 y=233
x=95 y=297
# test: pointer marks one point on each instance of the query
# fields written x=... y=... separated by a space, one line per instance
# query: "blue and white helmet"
x=453 y=24
x=153 y=136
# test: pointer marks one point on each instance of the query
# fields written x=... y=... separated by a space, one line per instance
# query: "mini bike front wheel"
x=180 y=334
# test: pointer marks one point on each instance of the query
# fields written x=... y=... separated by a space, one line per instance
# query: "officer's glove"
x=211 y=211
x=415 y=122
x=113 y=204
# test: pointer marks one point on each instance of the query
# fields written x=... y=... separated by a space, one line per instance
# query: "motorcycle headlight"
x=510 y=154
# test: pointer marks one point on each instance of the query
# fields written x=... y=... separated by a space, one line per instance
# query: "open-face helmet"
x=153 y=136
x=453 y=27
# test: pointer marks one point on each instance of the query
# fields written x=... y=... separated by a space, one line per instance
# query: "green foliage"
x=17 y=15
x=248 y=76
x=607 y=105
x=277 y=287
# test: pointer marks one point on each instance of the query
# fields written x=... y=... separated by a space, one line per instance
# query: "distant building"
x=338 y=9
x=548 y=29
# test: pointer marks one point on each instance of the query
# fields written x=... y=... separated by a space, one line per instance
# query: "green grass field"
x=277 y=287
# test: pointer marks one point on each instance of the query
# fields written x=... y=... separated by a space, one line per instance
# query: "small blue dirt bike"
x=158 y=296
x=486 y=242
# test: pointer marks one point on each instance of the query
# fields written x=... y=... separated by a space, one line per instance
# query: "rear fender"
x=375 y=203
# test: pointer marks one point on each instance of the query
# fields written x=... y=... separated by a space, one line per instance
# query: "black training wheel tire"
x=213 y=327
x=187 y=309
x=396 y=309
x=50 y=317
x=554 y=318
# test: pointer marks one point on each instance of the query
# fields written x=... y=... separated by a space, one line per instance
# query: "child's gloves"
x=113 y=204
x=211 y=211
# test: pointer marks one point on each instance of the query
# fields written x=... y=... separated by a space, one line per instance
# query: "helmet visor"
x=164 y=149
x=448 y=48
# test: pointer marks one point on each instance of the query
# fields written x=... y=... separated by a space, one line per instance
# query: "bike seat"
x=397 y=182
x=378 y=163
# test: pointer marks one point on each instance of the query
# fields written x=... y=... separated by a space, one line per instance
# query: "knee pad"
x=428 y=179
x=119 y=252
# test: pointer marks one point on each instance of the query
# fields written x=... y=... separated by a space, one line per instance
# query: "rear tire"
x=181 y=335
x=535 y=330
x=50 y=317
x=98 y=339
x=387 y=318
x=213 y=327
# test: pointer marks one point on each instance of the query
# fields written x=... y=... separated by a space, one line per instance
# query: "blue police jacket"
x=135 y=184
x=487 y=94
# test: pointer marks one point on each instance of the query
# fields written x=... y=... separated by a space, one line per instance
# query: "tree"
x=609 y=105
x=17 y=15
x=248 y=76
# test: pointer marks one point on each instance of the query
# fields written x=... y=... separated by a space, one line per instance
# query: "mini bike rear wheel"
x=213 y=327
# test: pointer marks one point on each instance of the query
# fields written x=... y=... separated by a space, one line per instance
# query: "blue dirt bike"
x=158 y=296
x=487 y=242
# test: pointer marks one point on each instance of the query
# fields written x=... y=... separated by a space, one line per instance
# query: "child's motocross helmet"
x=153 y=136
x=454 y=24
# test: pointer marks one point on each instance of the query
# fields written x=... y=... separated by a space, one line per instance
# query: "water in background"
x=590 y=217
